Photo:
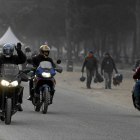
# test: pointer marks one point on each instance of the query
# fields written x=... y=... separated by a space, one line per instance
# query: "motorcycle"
x=10 y=90
x=133 y=97
x=42 y=84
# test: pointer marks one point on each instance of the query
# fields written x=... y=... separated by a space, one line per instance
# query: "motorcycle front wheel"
x=8 y=111
x=46 y=100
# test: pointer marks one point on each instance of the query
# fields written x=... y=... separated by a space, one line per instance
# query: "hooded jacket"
x=108 y=65
x=90 y=63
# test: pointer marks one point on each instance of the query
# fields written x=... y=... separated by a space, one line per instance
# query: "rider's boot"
x=2 y=118
x=51 y=97
x=31 y=94
x=20 y=107
x=29 y=98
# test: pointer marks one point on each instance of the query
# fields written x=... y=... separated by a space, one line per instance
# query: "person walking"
x=91 y=64
x=107 y=65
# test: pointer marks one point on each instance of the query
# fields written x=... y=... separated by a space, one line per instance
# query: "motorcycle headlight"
x=5 y=83
x=46 y=75
x=14 y=84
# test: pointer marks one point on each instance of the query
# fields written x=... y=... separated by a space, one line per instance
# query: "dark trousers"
x=90 y=74
x=20 y=95
x=108 y=76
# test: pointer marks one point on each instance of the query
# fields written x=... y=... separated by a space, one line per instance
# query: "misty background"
x=72 y=27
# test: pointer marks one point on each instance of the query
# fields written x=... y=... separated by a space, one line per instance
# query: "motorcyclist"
x=137 y=87
x=43 y=56
x=8 y=57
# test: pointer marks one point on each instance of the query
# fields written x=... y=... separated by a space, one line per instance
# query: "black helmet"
x=8 y=50
x=82 y=79
x=117 y=79
x=95 y=80
x=27 y=49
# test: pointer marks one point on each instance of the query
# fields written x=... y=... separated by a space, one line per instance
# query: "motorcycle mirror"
x=58 y=61
x=59 y=69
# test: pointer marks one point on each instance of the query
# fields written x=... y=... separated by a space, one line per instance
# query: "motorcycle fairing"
x=39 y=71
x=42 y=87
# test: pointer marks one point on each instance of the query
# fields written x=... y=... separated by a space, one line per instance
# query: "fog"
x=72 y=27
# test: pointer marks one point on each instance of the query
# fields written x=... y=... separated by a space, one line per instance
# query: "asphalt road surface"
x=72 y=116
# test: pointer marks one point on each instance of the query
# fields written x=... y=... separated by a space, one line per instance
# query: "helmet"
x=8 y=50
x=95 y=80
x=82 y=79
x=90 y=51
x=44 y=51
x=27 y=49
x=115 y=83
x=117 y=79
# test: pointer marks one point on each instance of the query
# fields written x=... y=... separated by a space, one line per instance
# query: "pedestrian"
x=107 y=66
x=28 y=52
x=91 y=64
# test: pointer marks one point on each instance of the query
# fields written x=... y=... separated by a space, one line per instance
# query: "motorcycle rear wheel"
x=46 y=100
x=8 y=111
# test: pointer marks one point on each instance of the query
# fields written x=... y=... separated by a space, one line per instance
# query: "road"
x=72 y=116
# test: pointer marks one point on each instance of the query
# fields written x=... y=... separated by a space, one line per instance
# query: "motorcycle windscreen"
x=9 y=69
x=45 y=65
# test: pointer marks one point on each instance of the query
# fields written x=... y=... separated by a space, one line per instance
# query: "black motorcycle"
x=134 y=99
x=42 y=84
x=10 y=90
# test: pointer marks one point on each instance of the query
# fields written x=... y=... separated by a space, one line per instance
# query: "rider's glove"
x=18 y=47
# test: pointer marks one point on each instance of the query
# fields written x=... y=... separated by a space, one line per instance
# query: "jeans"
x=90 y=74
x=137 y=88
x=108 y=76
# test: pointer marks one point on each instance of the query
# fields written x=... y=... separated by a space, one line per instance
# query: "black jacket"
x=90 y=63
x=14 y=59
x=37 y=59
x=108 y=65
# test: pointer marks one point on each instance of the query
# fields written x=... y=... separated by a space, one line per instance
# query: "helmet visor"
x=8 y=51
x=45 y=53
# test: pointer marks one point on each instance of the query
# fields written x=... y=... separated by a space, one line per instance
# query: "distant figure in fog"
x=28 y=52
x=137 y=64
x=91 y=64
x=107 y=66
x=35 y=53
